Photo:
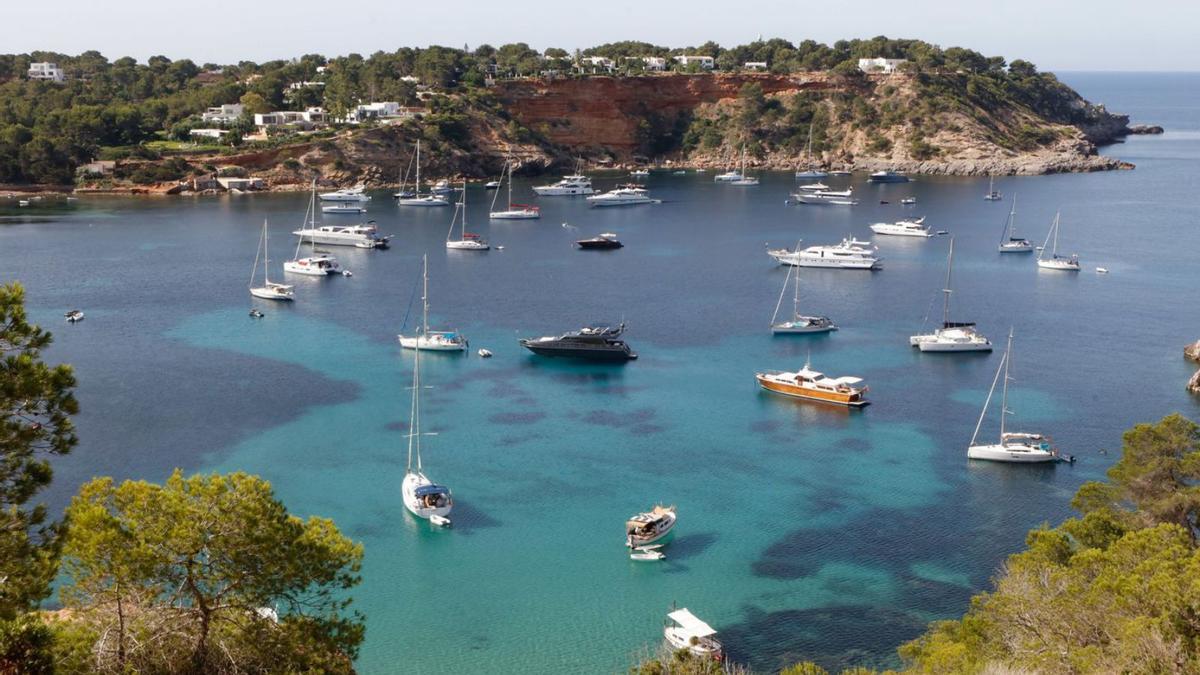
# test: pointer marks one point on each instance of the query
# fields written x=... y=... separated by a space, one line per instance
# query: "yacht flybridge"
x=798 y=323
x=422 y=497
x=903 y=228
x=318 y=264
x=1017 y=447
x=466 y=240
x=684 y=631
x=953 y=336
x=432 y=340
x=850 y=254
x=1056 y=261
x=514 y=211
x=415 y=198
x=650 y=527
x=809 y=384
x=351 y=195
x=1009 y=241
x=622 y=196
x=364 y=235
x=269 y=290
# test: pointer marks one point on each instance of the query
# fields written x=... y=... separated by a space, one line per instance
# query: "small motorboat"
x=492 y=185
x=485 y=353
x=440 y=521
x=883 y=201
x=23 y=202
x=679 y=173
x=256 y=314
x=1101 y=270
x=686 y=631
x=647 y=553
x=908 y=201
x=74 y=316
x=347 y=273
x=943 y=232
x=639 y=173
x=606 y=240
x=647 y=528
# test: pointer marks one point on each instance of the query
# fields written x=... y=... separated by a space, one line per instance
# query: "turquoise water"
x=805 y=531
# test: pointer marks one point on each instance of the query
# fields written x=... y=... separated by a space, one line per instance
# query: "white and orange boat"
x=809 y=384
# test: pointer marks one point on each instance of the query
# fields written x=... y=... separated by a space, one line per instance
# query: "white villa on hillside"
x=755 y=65
x=46 y=71
x=207 y=133
x=597 y=62
x=654 y=62
x=705 y=62
x=225 y=114
x=296 y=86
x=879 y=65
x=309 y=117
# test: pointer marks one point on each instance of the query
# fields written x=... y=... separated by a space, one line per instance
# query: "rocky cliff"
x=1192 y=352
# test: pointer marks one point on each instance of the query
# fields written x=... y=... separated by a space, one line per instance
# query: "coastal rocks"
x=1192 y=352
x=1143 y=129
x=1193 y=385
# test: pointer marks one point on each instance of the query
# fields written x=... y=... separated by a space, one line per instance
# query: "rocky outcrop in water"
x=1142 y=129
x=1192 y=352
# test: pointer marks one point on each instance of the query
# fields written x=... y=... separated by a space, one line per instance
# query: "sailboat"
x=269 y=290
x=953 y=336
x=418 y=199
x=1009 y=241
x=744 y=180
x=1013 y=446
x=799 y=323
x=318 y=264
x=432 y=340
x=514 y=211
x=422 y=497
x=466 y=241
x=1056 y=261
x=992 y=195
x=401 y=192
x=810 y=172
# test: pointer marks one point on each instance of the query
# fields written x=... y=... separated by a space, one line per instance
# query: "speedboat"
x=809 y=384
x=650 y=527
x=343 y=208
x=622 y=196
x=354 y=194
x=22 y=202
x=903 y=228
x=646 y=553
x=485 y=353
x=74 y=316
x=256 y=313
x=953 y=336
x=593 y=343
x=728 y=176
x=343 y=235
x=639 y=173
x=849 y=254
x=887 y=177
x=606 y=240
x=839 y=173
x=492 y=185
x=569 y=185
x=908 y=201
x=685 y=631
x=1056 y=261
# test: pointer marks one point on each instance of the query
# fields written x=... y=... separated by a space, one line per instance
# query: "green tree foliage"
x=188 y=577
x=37 y=401
x=1116 y=590
x=254 y=103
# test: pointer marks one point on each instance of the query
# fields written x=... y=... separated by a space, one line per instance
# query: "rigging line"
x=408 y=311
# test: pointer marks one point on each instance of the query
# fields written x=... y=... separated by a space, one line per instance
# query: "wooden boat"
x=809 y=384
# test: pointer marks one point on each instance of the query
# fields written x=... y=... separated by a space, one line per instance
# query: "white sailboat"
x=799 y=323
x=514 y=211
x=317 y=264
x=418 y=199
x=1009 y=241
x=432 y=340
x=744 y=180
x=422 y=497
x=992 y=195
x=269 y=290
x=466 y=240
x=1056 y=261
x=953 y=336
x=1018 y=447
x=810 y=172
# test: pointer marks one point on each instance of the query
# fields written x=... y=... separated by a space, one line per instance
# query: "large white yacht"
x=363 y=235
x=953 y=336
x=569 y=185
x=903 y=228
x=826 y=197
x=850 y=254
x=1019 y=447
x=622 y=196
x=354 y=194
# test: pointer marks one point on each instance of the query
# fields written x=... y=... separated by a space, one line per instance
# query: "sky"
x=1054 y=34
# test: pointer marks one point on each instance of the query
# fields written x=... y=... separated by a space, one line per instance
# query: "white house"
x=225 y=114
x=598 y=62
x=207 y=133
x=370 y=111
x=306 y=118
x=46 y=71
x=879 y=65
x=241 y=183
x=754 y=65
x=705 y=62
x=654 y=62
x=296 y=86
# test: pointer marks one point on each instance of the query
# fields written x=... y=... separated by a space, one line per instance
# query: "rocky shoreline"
x=1192 y=352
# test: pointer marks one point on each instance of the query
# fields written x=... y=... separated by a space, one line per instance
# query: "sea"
x=805 y=532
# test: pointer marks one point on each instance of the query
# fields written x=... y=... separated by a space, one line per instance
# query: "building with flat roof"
x=879 y=65
x=223 y=114
x=47 y=71
x=705 y=62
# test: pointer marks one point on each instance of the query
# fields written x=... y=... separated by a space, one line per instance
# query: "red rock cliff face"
x=600 y=114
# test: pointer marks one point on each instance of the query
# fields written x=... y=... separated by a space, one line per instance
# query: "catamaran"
x=269 y=290
x=318 y=264
x=1013 y=446
x=418 y=199
x=799 y=323
x=422 y=497
x=432 y=340
x=1056 y=261
x=514 y=211
x=466 y=240
x=992 y=195
x=1009 y=241
x=953 y=336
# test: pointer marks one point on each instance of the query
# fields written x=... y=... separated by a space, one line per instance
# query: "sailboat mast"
x=266 y=255
x=1055 y=251
x=1004 y=395
x=946 y=291
x=425 y=296
x=796 y=294
x=257 y=253
x=464 y=210
x=988 y=400
x=418 y=191
x=414 y=420
x=1012 y=216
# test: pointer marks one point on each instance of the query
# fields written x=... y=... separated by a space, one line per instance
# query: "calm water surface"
x=805 y=532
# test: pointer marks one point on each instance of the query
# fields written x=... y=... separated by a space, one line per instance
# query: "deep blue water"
x=805 y=532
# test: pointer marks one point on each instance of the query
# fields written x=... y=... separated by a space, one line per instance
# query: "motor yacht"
x=363 y=235
x=684 y=631
x=568 y=186
x=650 y=527
x=344 y=208
x=606 y=240
x=622 y=196
x=903 y=228
x=953 y=336
x=809 y=384
x=728 y=176
x=814 y=187
x=354 y=194
x=849 y=254
x=593 y=343
x=887 y=177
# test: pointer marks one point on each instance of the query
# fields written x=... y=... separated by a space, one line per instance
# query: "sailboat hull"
x=434 y=343
x=423 y=201
x=1016 y=454
x=421 y=507
x=270 y=294
x=931 y=343
x=514 y=215
x=803 y=327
